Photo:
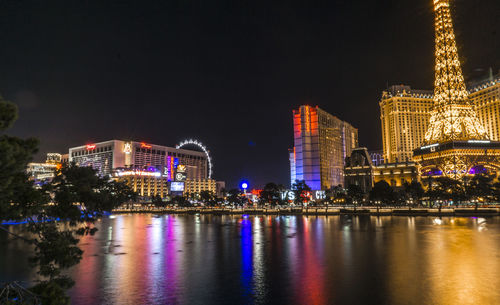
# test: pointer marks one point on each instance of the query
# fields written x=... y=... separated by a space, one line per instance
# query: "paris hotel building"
x=405 y=113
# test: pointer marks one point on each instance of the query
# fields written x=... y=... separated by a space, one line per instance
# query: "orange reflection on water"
x=457 y=265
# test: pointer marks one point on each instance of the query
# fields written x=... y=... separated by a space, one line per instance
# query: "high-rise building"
x=109 y=155
x=485 y=97
x=404 y=114
x=321 y=144
x=456 y=143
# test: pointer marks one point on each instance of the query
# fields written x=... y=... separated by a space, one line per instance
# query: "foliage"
x=208 y=197
x=236 y=197
x=180 y=201
x=355 y=193
x=446 y=189
x=414 y=191
x=271 y=194
x=301 y=191
x=157 y=201
x=382 y=192
x=57 y=213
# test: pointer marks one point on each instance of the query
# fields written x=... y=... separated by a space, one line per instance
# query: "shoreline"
x=369 y=211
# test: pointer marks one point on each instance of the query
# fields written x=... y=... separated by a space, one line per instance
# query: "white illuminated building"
x=109 y=155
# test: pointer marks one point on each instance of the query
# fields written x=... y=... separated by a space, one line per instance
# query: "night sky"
x=227 y=73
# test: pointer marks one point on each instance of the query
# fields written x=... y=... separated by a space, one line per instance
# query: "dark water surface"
x=191 y=259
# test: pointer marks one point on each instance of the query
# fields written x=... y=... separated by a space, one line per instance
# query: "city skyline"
x=248 y=139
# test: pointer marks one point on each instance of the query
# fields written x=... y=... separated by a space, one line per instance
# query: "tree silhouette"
x=77 y=197
x=301 y=191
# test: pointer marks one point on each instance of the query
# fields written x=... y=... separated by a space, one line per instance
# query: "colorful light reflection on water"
x=203 y=259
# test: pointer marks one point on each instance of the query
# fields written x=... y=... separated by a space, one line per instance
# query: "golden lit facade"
x=456 y=143
x=321 y=144
x=145 y=183
x=404 y=115
x=196 y=186
x=396 y=174
x=359 y=170
x=485 y=98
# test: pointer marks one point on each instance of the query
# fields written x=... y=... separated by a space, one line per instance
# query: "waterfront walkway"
x=405 y=211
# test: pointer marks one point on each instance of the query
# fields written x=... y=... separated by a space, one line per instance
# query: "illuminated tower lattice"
x=453 y=117
x=456 y=144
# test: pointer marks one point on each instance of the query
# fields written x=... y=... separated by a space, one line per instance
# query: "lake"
x=207 y=259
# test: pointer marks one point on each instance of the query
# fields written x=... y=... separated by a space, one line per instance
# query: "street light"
x=244 y=186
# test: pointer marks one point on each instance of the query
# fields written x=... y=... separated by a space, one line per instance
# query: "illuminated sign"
x=169 y=169
x=181 y=168
x=90 y=146
x=320 y=194
x=287 y=195
x=479 y=141
x=290 y=195
x=177 y=187
x=139 y=173
x=429 y=146
x=144 y=145
x=127 y=148
x=180 y=177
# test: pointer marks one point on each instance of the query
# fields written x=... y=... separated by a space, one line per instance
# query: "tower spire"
x=453 y=117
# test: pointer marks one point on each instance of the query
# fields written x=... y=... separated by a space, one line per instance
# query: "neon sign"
x=127 y=148
x=139 y=173
x=144 y=145
x=90 y=146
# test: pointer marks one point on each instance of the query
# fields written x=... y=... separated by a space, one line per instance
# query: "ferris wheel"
x=203 y=148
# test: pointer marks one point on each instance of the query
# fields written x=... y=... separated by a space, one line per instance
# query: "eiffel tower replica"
x=456 y=144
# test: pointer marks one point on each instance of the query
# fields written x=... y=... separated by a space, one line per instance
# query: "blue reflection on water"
x=246 y=259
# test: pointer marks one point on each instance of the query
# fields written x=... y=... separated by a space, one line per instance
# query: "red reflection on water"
x=309 y=285
x=87 y=282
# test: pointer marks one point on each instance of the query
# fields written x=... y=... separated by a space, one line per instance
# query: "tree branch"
x=30 y=241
